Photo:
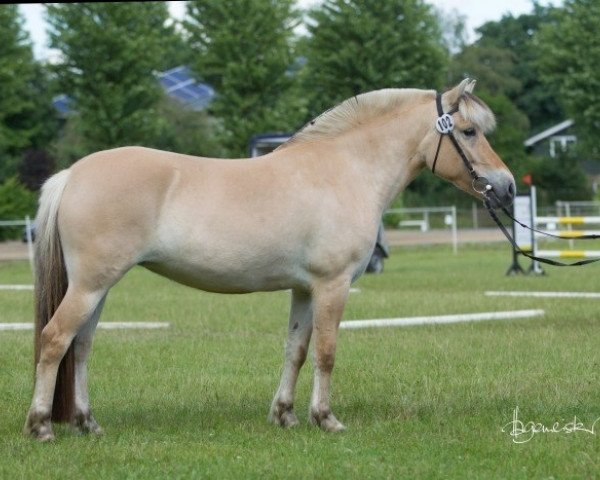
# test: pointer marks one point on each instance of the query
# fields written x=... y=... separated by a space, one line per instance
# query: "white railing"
x=422 y=215
x=26 y=222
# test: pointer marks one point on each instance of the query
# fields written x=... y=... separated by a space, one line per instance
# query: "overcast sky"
x=477 y=12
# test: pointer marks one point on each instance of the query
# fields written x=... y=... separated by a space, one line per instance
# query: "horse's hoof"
x=46 y=437
x=326 y=421
x=86 y=424
x=288 y=419
x=39 y=426
x=283 y=415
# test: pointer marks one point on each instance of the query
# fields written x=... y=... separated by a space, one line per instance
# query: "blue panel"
x=178 y=82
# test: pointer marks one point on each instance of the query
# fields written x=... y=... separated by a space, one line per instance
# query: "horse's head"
x=460 y=152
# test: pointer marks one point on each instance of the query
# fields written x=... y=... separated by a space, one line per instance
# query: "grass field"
x=419 y=402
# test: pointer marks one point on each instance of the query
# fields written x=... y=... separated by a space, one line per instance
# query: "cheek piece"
x=445 y=126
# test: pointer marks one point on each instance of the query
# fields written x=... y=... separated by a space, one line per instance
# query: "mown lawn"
x=419 y=402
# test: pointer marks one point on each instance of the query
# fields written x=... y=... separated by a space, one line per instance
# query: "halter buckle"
x=444 y=124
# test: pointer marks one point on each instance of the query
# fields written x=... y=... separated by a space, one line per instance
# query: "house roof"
x=559 y=127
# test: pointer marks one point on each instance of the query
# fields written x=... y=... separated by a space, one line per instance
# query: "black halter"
x=445 y=126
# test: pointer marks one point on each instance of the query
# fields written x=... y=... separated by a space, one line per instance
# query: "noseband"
x=445 y=126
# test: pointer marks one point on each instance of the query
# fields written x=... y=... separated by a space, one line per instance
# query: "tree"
x=244 y=49
x=570 y=55
x=361 y=45
x=36 y=166
x=517 y=35
x=492 y=67
x=560 y=178
x=26 y=118
x=109 y=52
x=189 y=131
x=16 y=202
x=454 y=30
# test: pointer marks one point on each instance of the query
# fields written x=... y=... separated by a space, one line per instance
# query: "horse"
x=304 y=217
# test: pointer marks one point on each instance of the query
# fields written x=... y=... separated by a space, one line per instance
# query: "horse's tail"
x=50 y=288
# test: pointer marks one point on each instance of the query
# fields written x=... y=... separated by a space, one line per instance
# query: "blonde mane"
x=353 y=112
x=362 y=108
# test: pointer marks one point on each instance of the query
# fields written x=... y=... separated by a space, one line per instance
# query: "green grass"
x=419 y=402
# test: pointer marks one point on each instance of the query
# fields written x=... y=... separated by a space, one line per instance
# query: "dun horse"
x=304 y=218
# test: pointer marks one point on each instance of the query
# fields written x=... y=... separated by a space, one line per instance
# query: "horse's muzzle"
x=503 y=191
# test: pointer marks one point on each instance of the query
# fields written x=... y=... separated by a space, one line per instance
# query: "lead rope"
x=492 y=214
x=445 y=126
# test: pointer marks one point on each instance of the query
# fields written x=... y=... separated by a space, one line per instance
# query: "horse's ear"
x=451 y=97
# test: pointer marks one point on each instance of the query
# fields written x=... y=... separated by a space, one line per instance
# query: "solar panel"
x=61 y=104
x=178 y=83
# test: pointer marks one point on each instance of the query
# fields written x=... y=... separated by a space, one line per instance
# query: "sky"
x=476 y=12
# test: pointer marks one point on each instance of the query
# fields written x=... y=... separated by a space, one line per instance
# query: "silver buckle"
x=481 y=185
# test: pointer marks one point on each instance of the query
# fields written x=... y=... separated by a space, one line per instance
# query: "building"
x=552 y=140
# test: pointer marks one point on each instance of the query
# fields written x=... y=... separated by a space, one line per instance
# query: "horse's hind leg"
x=76 y=308
x=299 y=332
x=83 y=420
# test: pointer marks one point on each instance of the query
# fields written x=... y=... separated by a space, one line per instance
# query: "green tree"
x=569 y=59
x=361 y=45
x=16 y=202
x=26 y=118
x=491 y=66
x=189 y=131
x=517 y=37
x=245 y=50
x=453 y=26
x=109 y=52
x=560 y=178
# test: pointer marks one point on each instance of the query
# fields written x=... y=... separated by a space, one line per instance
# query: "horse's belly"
x=235 y=277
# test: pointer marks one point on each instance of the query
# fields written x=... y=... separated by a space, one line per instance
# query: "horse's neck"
x=389 y=153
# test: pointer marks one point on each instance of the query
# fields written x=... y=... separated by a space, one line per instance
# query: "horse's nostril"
x=511 y=190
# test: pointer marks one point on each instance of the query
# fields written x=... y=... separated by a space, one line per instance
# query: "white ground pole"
x=441 y=319
x=16 y=287
x=544 y=294
x=101 y=325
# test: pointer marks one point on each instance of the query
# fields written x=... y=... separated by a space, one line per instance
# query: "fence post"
x=29 y=241
x=454 y=231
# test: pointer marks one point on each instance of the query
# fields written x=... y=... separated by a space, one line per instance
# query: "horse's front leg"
x=296 y=346
x=329 y=300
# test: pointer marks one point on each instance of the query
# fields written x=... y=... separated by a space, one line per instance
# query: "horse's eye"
x=469 y=132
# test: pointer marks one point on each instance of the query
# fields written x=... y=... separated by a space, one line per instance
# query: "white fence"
x=420 y=217
x=26 y=222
